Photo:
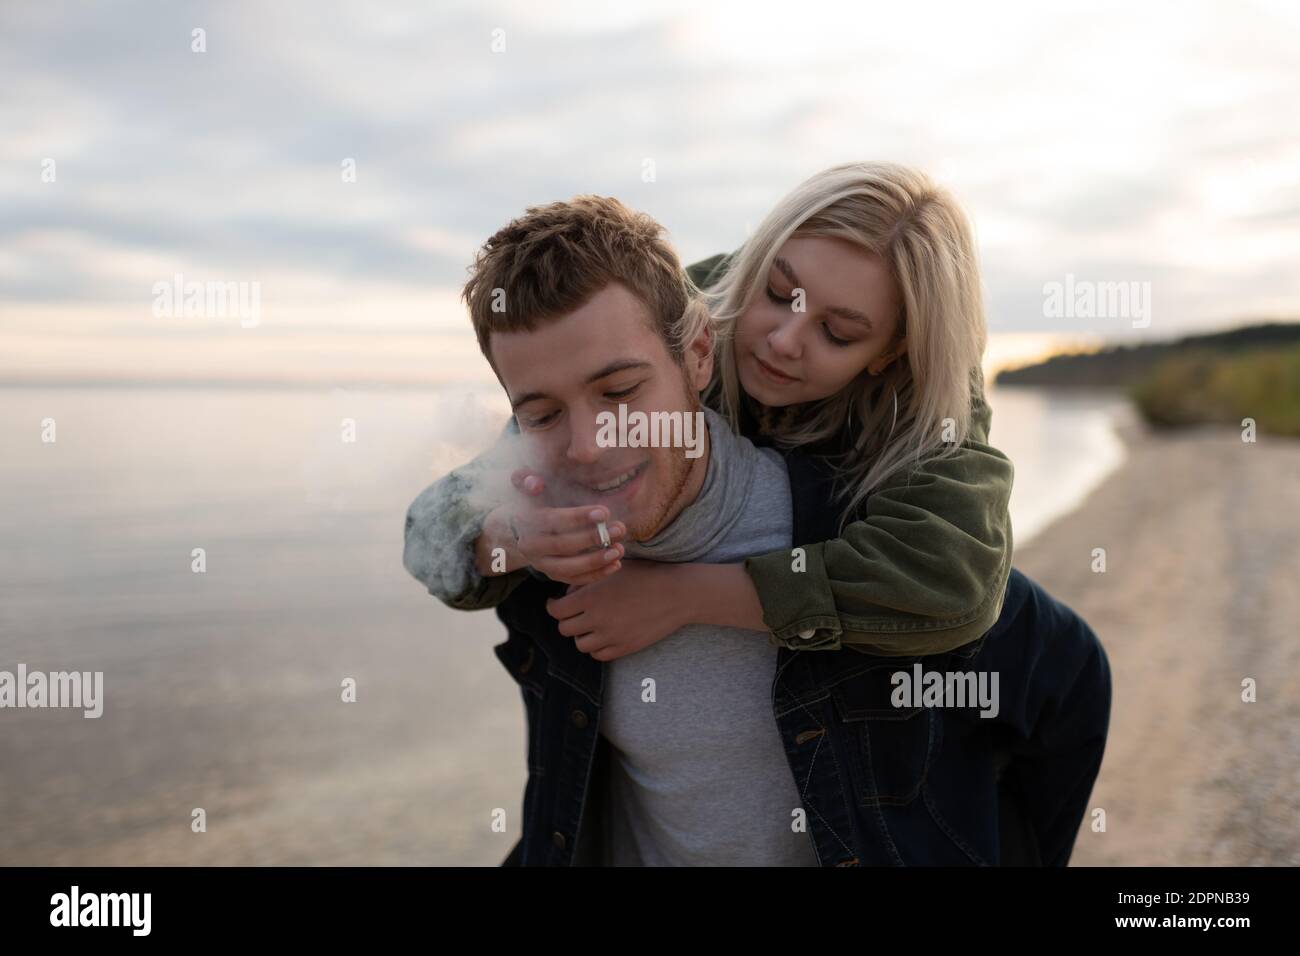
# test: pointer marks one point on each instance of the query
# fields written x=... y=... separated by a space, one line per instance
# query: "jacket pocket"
x=890 y=747
x=519 y=655
x=527 y=665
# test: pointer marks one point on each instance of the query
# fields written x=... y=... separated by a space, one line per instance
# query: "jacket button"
x=808 y=634
x=558 y=839
x=579 y=718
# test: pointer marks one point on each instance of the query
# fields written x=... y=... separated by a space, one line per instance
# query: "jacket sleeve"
x=442 y=525
x=923 y=571
x=707 y=271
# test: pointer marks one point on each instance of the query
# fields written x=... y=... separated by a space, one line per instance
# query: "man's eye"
x=624 y=393
x=776 y=298
x=540 y=422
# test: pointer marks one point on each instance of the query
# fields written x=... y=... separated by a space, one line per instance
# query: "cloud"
x=1158 y=142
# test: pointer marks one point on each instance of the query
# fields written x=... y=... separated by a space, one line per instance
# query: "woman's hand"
x=625 y=612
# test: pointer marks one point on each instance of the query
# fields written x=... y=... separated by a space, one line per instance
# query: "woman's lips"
x=775 y=375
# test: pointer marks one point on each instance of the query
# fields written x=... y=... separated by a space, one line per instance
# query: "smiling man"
x=671 y=756
x=565 y=376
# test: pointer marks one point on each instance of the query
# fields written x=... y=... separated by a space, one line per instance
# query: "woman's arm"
x=719 y=594
x=923 y=571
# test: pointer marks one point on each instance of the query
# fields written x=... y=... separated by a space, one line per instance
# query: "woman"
x=849 y=334
x=850 y=327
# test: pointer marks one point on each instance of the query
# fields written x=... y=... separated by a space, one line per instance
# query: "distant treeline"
x=1225 y=388
x=1252 y=372
x=1127 y=365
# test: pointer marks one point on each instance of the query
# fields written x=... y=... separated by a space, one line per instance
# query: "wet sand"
x=1201 y=591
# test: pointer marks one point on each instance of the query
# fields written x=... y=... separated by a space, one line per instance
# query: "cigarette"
x=604 y=534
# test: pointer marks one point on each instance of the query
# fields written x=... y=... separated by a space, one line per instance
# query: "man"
x=695 y=771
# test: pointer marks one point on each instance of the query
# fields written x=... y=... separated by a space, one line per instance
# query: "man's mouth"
x=615 y=482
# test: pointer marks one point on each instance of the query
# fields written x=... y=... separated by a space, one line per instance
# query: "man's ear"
x=699 y=359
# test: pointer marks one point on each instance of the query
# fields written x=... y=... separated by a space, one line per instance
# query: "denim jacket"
x=880 y=784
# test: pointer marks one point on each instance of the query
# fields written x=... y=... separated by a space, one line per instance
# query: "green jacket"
x=923 y=571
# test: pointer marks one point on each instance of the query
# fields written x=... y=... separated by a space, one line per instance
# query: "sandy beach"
x=1201 y=591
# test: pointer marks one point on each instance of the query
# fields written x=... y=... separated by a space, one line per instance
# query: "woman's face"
x=849 y=322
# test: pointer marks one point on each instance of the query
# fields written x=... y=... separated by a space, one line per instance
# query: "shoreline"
x=1201 y=533
x=1095 y=450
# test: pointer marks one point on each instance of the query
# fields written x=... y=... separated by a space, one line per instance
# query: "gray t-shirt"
x=699 y=776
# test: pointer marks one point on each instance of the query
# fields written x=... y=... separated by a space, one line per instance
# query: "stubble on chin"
x=678 y=471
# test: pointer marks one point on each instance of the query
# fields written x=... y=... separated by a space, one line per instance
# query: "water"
x=1062 y=443
x=223 y=690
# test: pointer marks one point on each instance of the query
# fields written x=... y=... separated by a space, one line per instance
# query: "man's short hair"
x=551 y=260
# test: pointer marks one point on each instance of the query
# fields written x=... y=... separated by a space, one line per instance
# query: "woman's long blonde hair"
x=923 y=236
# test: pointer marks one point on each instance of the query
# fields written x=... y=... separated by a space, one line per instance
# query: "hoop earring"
x=895 y=421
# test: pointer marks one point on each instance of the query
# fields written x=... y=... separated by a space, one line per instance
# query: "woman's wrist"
x=721 y=595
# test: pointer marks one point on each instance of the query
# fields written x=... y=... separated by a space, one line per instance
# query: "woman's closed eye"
x=771 y=294
x=826 y=329
x=833 y=338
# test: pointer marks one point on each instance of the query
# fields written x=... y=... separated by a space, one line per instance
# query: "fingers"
x=563 y=520
x=598 y=575
x=583 y=568
x=563 y=532
x=527 y=481
x=575 y=626
x=575 y=542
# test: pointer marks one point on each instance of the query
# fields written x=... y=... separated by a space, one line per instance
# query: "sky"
x=1153 y=143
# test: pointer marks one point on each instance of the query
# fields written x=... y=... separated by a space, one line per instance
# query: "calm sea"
x=223 y=690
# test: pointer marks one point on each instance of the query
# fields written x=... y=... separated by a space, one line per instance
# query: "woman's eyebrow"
x=786 y=269
x=853 y=315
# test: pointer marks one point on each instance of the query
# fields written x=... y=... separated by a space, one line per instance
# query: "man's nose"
x=583 y=448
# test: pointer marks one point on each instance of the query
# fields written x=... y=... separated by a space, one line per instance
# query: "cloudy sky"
x=1151 y=143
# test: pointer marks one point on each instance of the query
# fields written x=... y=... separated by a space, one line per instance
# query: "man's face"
x=566 y=372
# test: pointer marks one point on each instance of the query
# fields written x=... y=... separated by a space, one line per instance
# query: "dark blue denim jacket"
x=881 y=785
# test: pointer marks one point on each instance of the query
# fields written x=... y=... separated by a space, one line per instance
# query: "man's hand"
x=562 y=543
x=624 y=613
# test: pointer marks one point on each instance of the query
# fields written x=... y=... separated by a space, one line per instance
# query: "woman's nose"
x=784 y=339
